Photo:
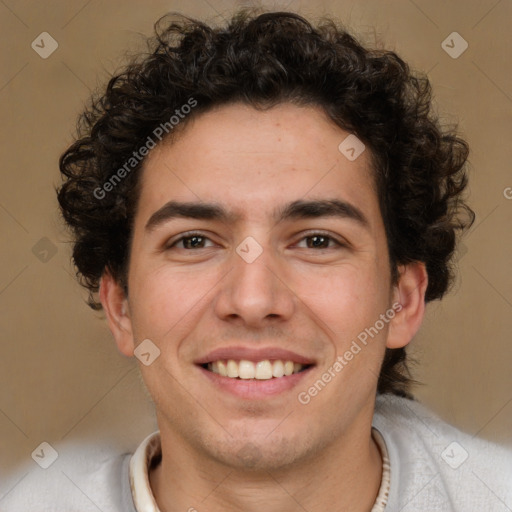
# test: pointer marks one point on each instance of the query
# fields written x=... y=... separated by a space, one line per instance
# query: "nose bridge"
x=252 y=268
x=253 y=289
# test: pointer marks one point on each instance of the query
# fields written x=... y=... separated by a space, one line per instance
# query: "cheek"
x=166 y=299
x=347 y=298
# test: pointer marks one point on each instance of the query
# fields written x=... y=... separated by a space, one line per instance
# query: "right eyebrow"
x=191 y=210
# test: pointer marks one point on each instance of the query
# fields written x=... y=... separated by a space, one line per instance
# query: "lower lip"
x=254 y=388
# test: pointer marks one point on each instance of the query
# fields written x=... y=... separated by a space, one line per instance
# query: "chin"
x=259 y=454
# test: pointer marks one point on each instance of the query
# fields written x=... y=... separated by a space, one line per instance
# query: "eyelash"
x=311 y=234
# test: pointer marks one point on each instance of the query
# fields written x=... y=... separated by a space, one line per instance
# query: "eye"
x=321 y=241
x=315 y=240
x=190 y=241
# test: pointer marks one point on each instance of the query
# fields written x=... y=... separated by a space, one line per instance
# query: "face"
x=259 y=248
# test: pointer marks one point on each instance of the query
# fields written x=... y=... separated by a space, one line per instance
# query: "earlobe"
x=115 y=305
x=409 y=293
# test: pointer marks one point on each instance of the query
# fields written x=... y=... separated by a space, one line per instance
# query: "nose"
x=255 y=294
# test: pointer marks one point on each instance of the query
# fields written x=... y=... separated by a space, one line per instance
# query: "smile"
x=260 y=370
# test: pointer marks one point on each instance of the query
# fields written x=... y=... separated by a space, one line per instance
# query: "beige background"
x=61 y=377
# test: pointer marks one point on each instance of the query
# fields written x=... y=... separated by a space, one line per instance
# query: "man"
x=264 y=209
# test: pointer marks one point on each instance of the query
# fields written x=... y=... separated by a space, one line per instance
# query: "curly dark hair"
x=263 y=59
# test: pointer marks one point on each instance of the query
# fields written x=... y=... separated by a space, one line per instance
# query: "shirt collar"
x=146 y=455
x=149 y=453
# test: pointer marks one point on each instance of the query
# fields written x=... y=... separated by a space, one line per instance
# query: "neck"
x=346 y=473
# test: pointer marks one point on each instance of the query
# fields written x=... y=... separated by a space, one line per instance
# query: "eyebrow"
x=300 y=209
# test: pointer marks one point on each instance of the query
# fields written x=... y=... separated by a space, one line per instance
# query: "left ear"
x=409 y=297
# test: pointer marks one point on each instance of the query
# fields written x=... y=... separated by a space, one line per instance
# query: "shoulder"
x=83 y=477
x=435 y=466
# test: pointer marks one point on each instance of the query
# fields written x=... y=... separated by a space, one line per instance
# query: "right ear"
x=116 y=307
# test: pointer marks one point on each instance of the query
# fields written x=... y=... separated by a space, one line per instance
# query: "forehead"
x=252 y=162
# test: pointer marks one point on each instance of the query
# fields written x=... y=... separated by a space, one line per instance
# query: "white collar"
x=140 y=464
x=150 y=451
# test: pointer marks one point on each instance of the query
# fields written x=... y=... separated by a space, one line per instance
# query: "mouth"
x=254 y=373
x=266 y=369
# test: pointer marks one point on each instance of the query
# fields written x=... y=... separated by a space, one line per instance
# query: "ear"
x=115 y=304
x=409 y=297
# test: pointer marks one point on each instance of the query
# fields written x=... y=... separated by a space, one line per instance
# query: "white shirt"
x=434 y=468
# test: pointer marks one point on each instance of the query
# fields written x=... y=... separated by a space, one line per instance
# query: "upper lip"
x=254 y=355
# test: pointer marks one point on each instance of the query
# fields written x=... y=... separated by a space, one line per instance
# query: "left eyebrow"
x=295 y=210
x=321 y=208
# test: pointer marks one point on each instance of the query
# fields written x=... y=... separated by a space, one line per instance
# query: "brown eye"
x=320 y=241
x=193 y=241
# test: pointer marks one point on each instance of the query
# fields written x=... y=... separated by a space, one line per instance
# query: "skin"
x=314 y=301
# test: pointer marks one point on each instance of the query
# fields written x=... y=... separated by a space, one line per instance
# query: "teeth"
x=262 y=370
x=222 y=368
x=232 y=369
x=278 y=369
x=246 y=370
